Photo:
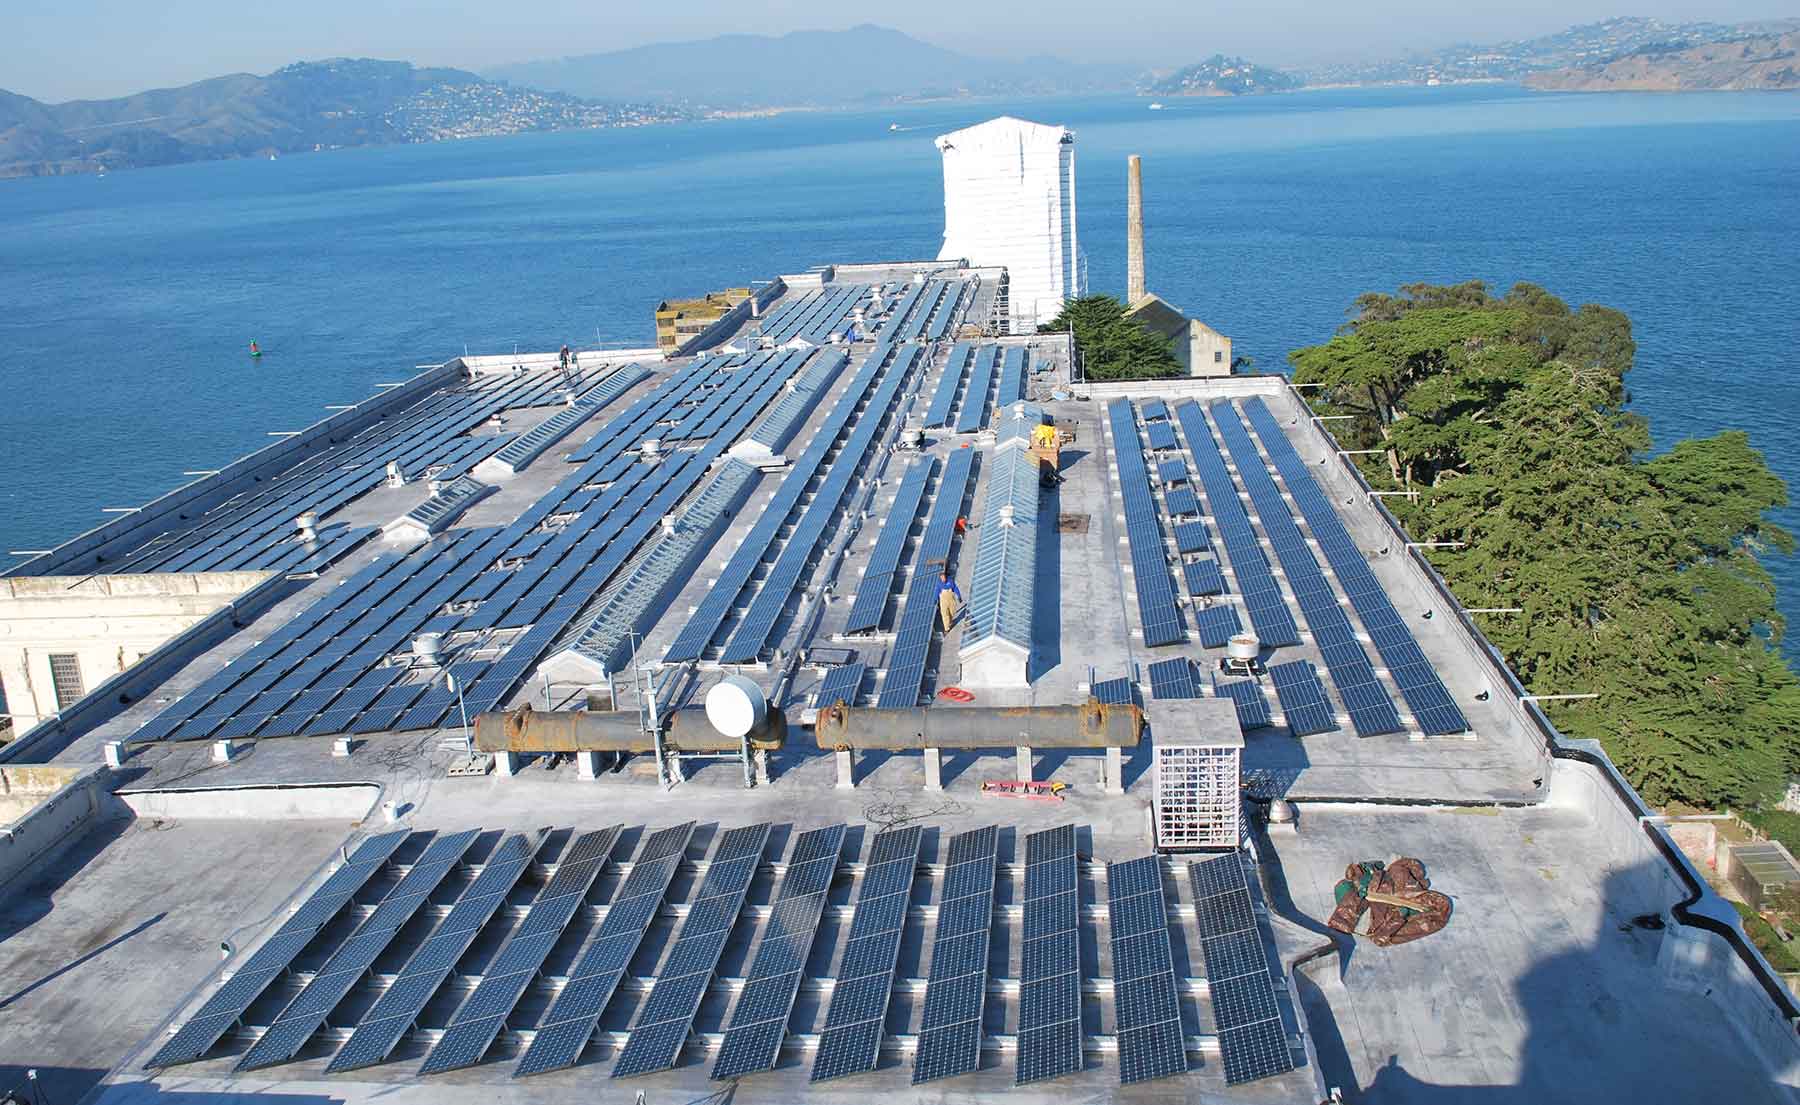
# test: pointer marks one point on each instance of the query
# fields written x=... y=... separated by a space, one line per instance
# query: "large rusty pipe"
x=528 y=730
x=1093 y=724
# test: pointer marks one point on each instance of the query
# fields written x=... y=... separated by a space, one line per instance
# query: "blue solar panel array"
x=760 y=1014
x=1215 y=625
x=1173 y=679
x=1268 y=611
x=227 y=1004
x=1143 y=532
x=254 y=529
x=780 y=586
x=842 y=683
x=950 y=1030
x=291 y=681
x=482 y=1015
x=302 y=1016
x=905 y=677
x=857 y=1017
x=397 y=1010
x=1371 y=711
x=1252 y=1041
x=814 y=316
x=1049 y=1036
x=565 y=1029
x=1247 y=695
x=1014 y=364
x=668 y=1013
x=1147 y=1008
x=1302 y=696
x=884 y=561
x=944 y=398
x=696 y=636
x=1203 y=577
x=973 y=414
x=1417 y=679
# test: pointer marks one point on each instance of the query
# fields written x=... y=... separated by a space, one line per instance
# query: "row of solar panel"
x=1252 y=1041
x=697 y=635
x=1371 y=711
x=905 y=677
x=254 y=528
x=567 y=568
x=1419 y=683
x=1157 y=612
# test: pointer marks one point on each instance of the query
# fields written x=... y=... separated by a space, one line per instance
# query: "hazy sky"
x=68 y=49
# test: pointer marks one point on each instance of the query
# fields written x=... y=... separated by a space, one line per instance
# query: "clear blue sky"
x=67 y=49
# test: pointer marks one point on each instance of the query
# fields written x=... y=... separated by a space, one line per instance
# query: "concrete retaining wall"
x=311 y=801
x=43 y=810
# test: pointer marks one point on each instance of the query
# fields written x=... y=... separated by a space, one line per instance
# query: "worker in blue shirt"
x=949 y=600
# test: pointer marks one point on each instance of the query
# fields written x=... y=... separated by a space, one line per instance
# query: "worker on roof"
x=1044 y=436
x=949 y=600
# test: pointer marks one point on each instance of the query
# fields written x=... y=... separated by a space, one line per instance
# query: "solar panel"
x=759 y=1017
x=398 y=1007
x=1170 y=679
x=945 y=396
x=302 y=1016
x=822 y=511
x=950 y=1029
x=1012 y=376
x=1263 y=601
x=856 y=1019
x=1115 y=692
x=1146 y=1007
x=973 y=414
x=667 y=1014
x=696 y=636
x=1302 y=698
x=1190 y=537
x=1143 y=532
x=1203 y=577
x=1155 y=408
x=483 y=1015
x=905 y=676
x=1172 y=470
x=216 y=1016
x=1371 y=711
x=1181 y=500
x=884 y=561
x=1418 y=681
x=842 y=683
x=1160 y=435
x=1216 y=625
x=1252 y=1041
x=1049 y=1034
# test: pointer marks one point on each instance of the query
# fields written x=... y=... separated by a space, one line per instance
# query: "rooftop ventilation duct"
x=308 y=525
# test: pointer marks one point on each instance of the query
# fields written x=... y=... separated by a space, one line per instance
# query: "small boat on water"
x=1156 y=107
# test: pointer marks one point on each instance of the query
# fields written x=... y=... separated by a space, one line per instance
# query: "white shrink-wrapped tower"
x=1009 y=200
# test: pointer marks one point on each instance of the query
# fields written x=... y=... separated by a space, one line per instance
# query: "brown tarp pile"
x=1397 y=897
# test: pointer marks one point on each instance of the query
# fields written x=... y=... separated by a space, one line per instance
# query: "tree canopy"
x=1113 y=345
x=1638 y=573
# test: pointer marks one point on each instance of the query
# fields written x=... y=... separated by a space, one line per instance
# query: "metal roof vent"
x=308 y=525
x=396 y=475
x=427 y=647
x=652 y=447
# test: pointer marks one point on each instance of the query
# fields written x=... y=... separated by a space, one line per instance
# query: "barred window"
x=65 y=678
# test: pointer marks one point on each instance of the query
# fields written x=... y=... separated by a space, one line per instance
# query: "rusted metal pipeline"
x=528 y=730
x=1093 y=724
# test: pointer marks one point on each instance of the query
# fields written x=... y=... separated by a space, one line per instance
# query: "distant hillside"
x=1581 y=46
x=1223 y=76
x=307 y=106
x=1770 y=63
x=804 y=69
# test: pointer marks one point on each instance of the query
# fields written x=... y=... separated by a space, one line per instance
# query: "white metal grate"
x=1197 y=800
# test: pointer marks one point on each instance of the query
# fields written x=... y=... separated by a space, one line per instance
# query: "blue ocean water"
x=126 y=302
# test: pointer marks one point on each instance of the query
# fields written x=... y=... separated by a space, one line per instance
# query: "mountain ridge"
x=861 y=64
x=300 y=107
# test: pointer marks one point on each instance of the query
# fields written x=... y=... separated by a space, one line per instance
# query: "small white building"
x=1009 y=200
